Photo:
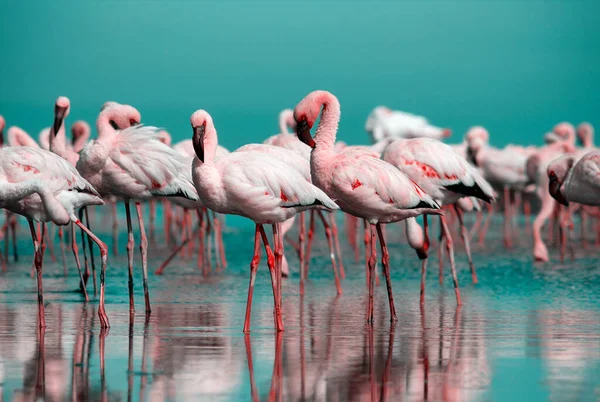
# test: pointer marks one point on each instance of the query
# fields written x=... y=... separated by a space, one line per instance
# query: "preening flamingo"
x=575 y=179
x=255 y=185
x=134 y=165
x=362 y=184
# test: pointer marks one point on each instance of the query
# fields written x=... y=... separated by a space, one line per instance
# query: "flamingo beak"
x=471 y=156
x=198 y=141
x=554 y=190
x=59 y=116
x=303 y=132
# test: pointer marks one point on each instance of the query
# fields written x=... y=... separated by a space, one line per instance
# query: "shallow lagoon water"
x=526 y=332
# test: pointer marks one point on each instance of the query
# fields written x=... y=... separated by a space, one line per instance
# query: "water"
x=526 y=332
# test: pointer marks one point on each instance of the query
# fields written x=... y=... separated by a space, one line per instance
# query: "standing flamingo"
x=362 y=185
x=44 y=187
x=257 y=186
x=134 y=165
x=446 y=176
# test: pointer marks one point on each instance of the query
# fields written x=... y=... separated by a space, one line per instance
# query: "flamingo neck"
x=283 y=127
x=105 y=130
x=210 y=143
x=58 y=142
x=328 y=125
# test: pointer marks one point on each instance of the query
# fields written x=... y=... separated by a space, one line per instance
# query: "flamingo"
x=134 y=165
x=44 y=187
x=585 y=135
x=573 y=179
x=80 y=135
x=447 y=177
x=383 y=123
x=362 y=184
x=303 y=167
x=257 y=186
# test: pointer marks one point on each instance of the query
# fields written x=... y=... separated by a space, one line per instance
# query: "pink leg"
x=177 y=250
x=465 y=237
x=103 y=255
x=216 y=241
x=167 y=221
x=540 y=252
x=86 y=272
x=477 y=224
x=350 y=224
x=115 y=229
x=201 y=251
x=301 y=251
x=253 y=270
x=486 y=225
x=207 y=246
x=219 y=234
x=188 y=218
x=278 y=245
x=371 y=263
x=76 y=255
x=338 y=286
x=62 y=250
x=527 y=213
x=90 y=241
x=424 y=260
x=50 y=244
x=385 y=261
x=450 y=251
x=311 y=231
x=338 y=249
x=367 y=241
x=130 y=244
x=274 y=279
x=144 y=250
x=38 y=266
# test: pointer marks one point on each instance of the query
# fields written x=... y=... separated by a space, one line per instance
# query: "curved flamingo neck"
x=283 y=127
x=105 y=130
x=328 y=125
x=210 y=143
x=58 y=142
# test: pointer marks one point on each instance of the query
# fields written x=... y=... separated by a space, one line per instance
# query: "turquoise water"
x=516 y=67
x=526 y=332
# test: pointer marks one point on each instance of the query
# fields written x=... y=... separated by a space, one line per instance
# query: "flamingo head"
x=108 y=104
x=565 y=132
x=557 y=172
x=79 y=130
x=62 y=107
x=199 y=120
x=2 y=125
x=122 y=116
x=476 y=138
x=306 y=114
x=585 y=134
x=287 y=117
x=164 y=137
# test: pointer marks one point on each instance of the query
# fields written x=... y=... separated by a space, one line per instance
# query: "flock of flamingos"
x=407 y=172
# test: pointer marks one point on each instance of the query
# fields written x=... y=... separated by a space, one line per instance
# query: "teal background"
x=517 y=67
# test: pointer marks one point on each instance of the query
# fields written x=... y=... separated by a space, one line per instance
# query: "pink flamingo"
x=362 y=185
x=447 y=177
x=585 y=135
x=80 y=135
x=303 y=167
x=575 y=179
x=44 y=187
x=17 y=137
x=255 y=185
x=134 y=165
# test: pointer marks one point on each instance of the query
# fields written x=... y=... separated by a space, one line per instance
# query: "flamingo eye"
x=552 y=174
x=133 y=122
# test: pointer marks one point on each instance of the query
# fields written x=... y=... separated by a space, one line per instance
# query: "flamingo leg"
x=465 y=237
x=385 y=261
x=90 y=241
x=371 y=265
x=216 y=242
x=424 y=260
x=367 y=241
x=177 y=250
x=144 y=251
x=219 y=239
x=274 y=279
x=486 y=224
x=278 y=245
x=130 y=244
x=253 y=389
x=336 y=239
x=103 y=256
x=75 y=250
x=49 y=241
x=540 y=252
x=331 y=252
x=351 y=225
x=38 y=259
x=311 y=232
x=441 y=245
x=527 y=213
x=13 y=228
x=301 y=251
x=86 y=272
x=450 y=251
x=6 y=239
x=62 y=250
x=253 y=269
x=115 y=229
x=207 y=246
x=201 y=251
x=477 y=224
